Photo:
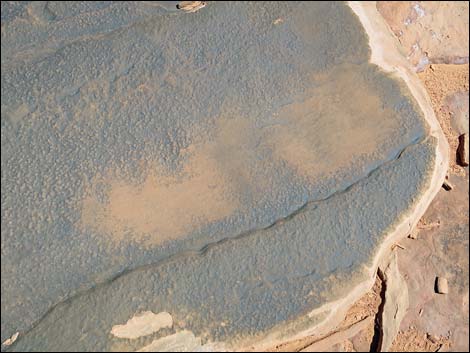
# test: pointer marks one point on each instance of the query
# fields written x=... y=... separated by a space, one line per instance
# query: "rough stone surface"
x=232 y=170
x=395 y=304
x=463 y=150
x=442 y=287
x=447 y=86
x=439 y=251
x=434 y=322
x=429 y=31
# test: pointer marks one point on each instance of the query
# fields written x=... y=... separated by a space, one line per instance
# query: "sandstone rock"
x=203 y=198
x=414 y=233
x=191 y=6
x=11 y=340
x=447 y=185
x=463 y=150
x=442 y=287
x=424 y=32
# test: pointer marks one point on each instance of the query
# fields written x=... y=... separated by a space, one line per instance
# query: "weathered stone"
x=442 y=287
x=191 y=6
x=235 y=174
x=463 y=150
x=414 y=233
x=447 y=185
x=396 y=303
x=11 y=340
x=142 y=324
x=324 y=344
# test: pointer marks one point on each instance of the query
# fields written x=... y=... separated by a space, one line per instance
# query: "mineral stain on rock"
x=232 y=172
x=230 y=168
x=163 y=207
x=329 y=131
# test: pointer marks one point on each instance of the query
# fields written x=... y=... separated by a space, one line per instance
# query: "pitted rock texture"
x=231 y=169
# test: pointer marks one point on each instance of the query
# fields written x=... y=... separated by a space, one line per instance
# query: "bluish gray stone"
x=222 y=166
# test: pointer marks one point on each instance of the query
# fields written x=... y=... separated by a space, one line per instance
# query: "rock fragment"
x=191 y=6
x=442 y=287
x=396 y=303
x=324 y=344
x=142 y=324
x=414 y=233
x=11 y=340
x=447 y=185
x=396 y=245
x=463 y=150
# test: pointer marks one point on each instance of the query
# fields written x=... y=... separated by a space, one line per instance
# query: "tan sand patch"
x=162 y=207
x=443 y=81
x=316 y=137
x=413 y=340
x=166 y=207
x=429 y=31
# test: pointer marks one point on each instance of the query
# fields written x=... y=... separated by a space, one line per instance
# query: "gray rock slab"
x=236 y=167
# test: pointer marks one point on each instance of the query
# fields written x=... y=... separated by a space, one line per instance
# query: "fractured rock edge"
x=385 y=54
x=396 y=303
x=337 y=337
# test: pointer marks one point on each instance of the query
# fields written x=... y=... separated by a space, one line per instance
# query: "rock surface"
x=237 y=176
x=441 y=251
x=447 y=86
x=429 y=31
x=463 y=150
x=434 y=322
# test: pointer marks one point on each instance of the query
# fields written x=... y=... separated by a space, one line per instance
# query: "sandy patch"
x=215 y=173
x=366 y=307
x=163 y=207
x=413 y=340
x=443 y=82
x=384 y=53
